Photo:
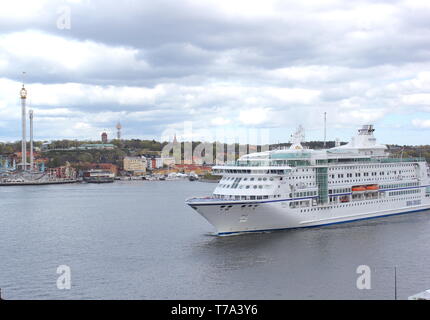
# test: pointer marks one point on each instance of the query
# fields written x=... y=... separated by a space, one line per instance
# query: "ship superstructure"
x=300 y=187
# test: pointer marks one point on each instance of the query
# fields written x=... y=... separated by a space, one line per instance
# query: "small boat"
x=98 y=176
x=421 y=296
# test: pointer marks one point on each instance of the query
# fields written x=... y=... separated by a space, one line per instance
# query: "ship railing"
x=297 y=163
x=208 y=198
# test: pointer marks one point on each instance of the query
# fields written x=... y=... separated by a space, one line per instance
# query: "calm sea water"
x=137 y=240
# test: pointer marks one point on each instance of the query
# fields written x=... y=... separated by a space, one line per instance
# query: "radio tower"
x=23 y=93
x=118 y=132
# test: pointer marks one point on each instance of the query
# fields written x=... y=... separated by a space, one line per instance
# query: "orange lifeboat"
x=373 y=187
x=358 y=189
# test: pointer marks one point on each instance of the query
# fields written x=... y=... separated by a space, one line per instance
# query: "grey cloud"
x=186 y=44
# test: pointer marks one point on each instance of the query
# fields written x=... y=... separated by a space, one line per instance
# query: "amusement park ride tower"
x=23 y=93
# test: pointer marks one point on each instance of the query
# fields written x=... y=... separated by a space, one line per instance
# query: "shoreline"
x=29 y=183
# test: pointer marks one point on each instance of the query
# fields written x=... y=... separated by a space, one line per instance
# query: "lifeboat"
x=358 y=189
x=373 y=187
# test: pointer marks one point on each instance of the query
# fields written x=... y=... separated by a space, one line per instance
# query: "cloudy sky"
x=221 y=67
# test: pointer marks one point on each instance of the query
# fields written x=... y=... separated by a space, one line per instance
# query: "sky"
x=234 y=70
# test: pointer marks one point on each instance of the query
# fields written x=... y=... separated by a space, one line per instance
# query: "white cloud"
x=254 y=116
x=65 y=55
x=417 y=99
x=220 y=121
x=421 y=123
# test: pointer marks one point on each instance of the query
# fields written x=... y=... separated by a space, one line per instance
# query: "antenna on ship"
x=325 y=128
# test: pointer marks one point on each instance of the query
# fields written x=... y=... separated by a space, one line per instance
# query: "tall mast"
x=23 y=119
x=325 y=128
x=30 y=113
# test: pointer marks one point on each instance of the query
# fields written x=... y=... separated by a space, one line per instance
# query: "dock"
x=38 y=183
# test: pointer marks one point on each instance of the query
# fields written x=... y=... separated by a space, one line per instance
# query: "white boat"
x=297 y=187
x=421 y=296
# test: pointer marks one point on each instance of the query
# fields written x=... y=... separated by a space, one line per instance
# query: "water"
x=137 y=240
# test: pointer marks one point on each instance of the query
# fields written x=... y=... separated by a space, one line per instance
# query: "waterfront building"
x=135 y=165
x=96 y=146
x=63 y=172
x=198 y=169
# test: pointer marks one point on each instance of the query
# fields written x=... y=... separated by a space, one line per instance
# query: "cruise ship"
x=299 y=187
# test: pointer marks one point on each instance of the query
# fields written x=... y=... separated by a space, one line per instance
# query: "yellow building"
x=136 y=165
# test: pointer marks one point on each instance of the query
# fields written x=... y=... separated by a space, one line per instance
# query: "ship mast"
x=325 y=128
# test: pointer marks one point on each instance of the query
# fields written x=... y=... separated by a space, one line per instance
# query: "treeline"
x=132 y=144
x=12 y=147
x=60 y=158
x=410 y=151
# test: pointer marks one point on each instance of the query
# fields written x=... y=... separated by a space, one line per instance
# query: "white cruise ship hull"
x=298 y=188
x=276 y=215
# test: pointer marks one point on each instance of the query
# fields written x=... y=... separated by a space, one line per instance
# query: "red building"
x=104 y=137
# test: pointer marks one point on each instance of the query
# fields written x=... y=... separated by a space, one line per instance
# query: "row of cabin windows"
x=408 y=203
x=403 y=165
x=363 y=180
x=248 y=171
x=232 y=186
x=246 y=179
x=339 y=190
x=402 y=192
x=303 y=194
x=399 y=185
x=365 y=174
x=253 y=197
